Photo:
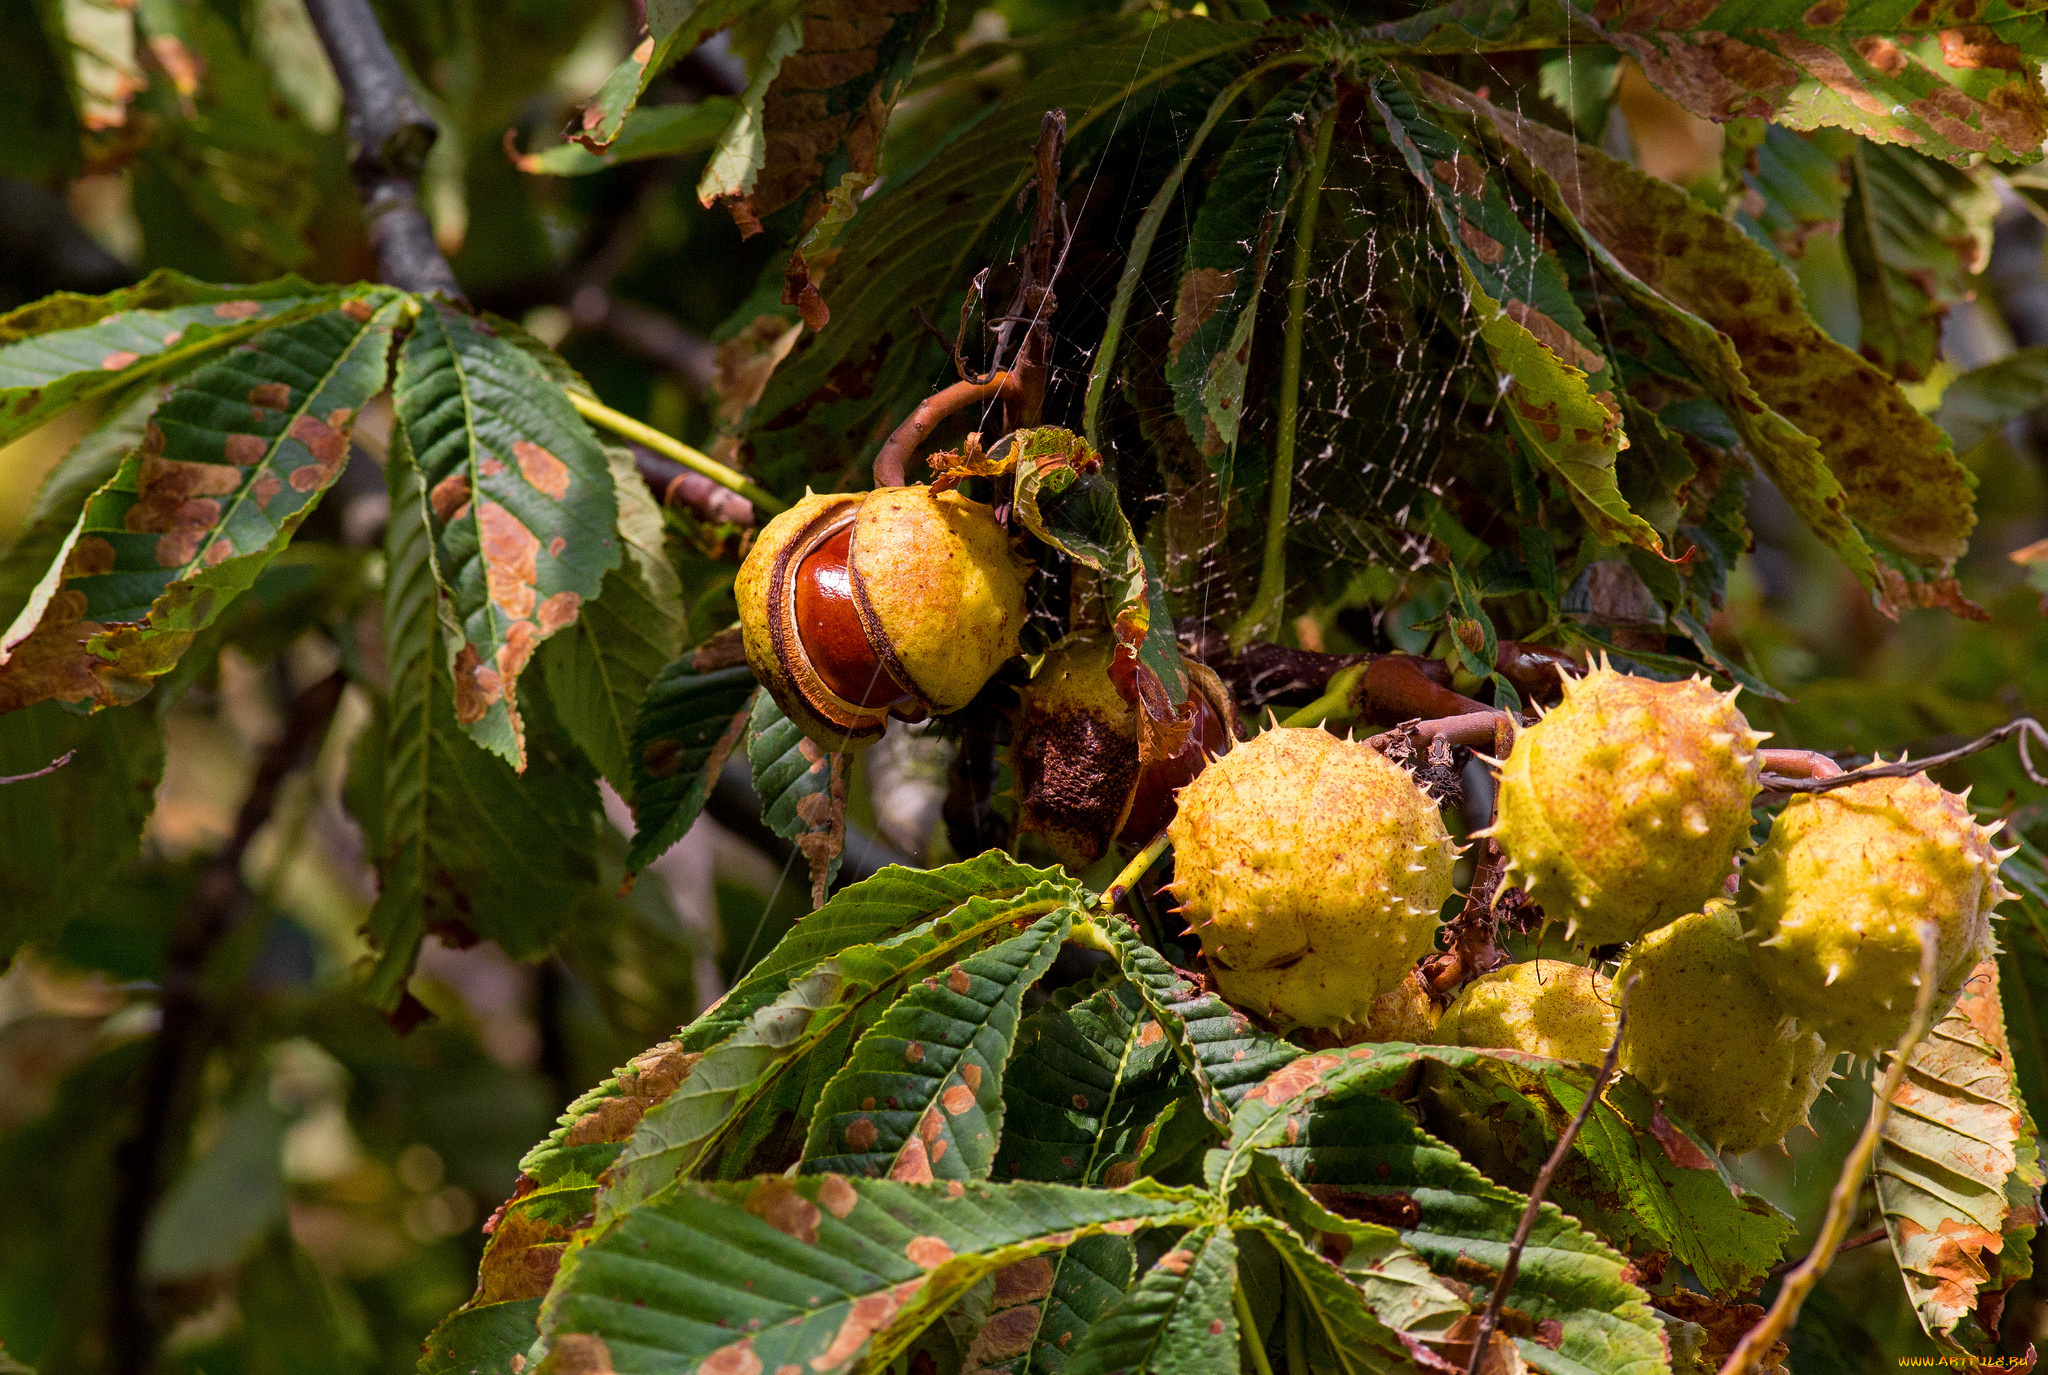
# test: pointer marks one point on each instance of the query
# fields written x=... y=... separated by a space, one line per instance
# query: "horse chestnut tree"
x=1032 y=688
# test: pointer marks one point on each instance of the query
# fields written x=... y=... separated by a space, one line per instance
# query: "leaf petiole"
x=597 y=413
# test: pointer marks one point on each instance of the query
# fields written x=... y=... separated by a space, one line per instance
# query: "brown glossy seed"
x=828 y=622
x=1152 y=804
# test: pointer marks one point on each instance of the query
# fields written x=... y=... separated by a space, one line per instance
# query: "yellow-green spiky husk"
x=1541 y=1007
x=1707 y=1036
x=1312 y=870
x=1835 y=897
x=1622 y=808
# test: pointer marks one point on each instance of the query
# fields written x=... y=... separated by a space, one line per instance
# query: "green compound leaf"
x=1177 y=1320
x=67 y=348
x=1222 y=1050
x=1229 y=248
x=465 y=842
x=521 y=503
x=1325 y=1119
x=229 y=465
x=802 y=791
x=688 y=723
x=816 y=1271
x=1958 y=1170
x=1538 y=346
x=922 y=1096
x=599 y=668
x=492 y=1339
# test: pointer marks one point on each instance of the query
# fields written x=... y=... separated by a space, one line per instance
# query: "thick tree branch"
x=392 y=133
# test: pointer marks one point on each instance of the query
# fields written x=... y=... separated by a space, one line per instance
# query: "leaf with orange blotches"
x=66 y=348
x=228 y=466
x=460 y=841
x=921 y=1096
x=1958 y=1171
x=522 y=508
x=819 y=1273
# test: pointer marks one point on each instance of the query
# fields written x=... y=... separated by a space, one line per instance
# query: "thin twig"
x=1842 y=1203
x=44 y=772
x=392 y=133
x=1857 y=1242
x=1797 y=764
x=2026 y=728
x=218 y=902
x=1490 y=1319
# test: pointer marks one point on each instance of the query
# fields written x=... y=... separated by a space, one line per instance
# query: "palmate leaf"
x=688 y=723
x=229 y=465
x=921 y=241
x=1324 y=1119
x=1229 y=247
x=599 y=668
x=802 y=791
x=816 y=1272
x=1958 y=1170
x=1985 y=400
x=1836 y=436
x=521 y=504
x=1915 y=231
x=1547 y=370
x=1178 y=1318
x=1222 y=1050
x=463 y=840
x=809 y=1026
x=66 y=348
x=922 y=1095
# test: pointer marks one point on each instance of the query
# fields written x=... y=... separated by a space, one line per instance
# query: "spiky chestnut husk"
x=859 y=606
x=1708 y=1037
x=1623 y=807
x=1544 y=1007
x=1312 y=871
x=1080 y=783
x=1835 y=897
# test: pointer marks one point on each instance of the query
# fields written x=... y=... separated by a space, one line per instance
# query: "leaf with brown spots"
x=67 y=349
x=944 y=1110
x=1834 y=433
x=1958 y=1170
x=530 y=532
x=1176 y=1320
x=802 y=791
x=460 y=836
x=187 y=522
x=817 y=109
x=858 y=1284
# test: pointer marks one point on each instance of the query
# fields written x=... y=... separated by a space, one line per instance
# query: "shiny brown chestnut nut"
x=859 y=606
x=1080 y=783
